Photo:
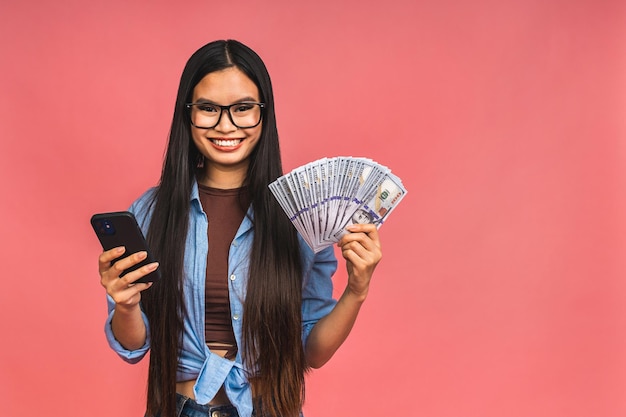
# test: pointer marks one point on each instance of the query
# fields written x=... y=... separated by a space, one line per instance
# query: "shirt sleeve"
x=141 y=209
x=130 y=356
x=317 y=288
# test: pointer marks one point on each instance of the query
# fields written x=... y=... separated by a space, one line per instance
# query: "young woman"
x=244 y=308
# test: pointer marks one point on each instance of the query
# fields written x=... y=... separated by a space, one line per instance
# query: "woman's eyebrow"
x=241 y=100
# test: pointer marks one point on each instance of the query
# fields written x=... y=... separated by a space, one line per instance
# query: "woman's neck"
x=222 y=177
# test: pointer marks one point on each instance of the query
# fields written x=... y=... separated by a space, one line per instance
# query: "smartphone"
x=121 y=229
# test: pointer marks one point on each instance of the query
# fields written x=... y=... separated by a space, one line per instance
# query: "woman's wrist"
x=127 y=310
x=355 y=296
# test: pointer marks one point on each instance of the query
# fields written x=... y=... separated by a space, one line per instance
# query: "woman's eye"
x=207 y=108
x=243 y=108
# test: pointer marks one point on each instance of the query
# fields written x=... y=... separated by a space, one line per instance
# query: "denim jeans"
x=186 y=407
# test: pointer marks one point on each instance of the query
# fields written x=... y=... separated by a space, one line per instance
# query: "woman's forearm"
x=330 y=332
x=128 y=327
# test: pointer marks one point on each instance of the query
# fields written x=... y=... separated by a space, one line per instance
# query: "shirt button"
x=236 y=317
x=233 y=277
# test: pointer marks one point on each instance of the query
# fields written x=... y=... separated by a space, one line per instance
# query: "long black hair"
x=272 y=346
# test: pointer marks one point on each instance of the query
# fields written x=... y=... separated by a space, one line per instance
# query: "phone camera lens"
x=106 y=227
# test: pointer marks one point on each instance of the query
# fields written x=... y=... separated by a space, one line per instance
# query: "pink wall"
x=502 y=288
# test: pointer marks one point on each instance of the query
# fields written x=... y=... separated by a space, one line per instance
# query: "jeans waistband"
x=186 y=407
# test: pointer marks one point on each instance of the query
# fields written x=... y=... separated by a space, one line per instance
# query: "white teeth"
x=230 y=142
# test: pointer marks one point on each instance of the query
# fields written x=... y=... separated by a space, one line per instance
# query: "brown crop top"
x=224 y=212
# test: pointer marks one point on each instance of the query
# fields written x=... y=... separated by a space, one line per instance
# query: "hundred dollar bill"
x=383 y=199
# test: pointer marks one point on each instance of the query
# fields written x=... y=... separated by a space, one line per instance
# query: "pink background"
x=501 y=291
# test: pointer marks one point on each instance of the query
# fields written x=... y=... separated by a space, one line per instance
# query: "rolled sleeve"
x=317 y=290
x=130 y=356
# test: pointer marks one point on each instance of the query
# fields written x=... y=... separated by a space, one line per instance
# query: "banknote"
x=383 y=199
x=323 y=197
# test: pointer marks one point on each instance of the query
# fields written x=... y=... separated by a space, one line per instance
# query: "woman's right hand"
x=123 y=290
x=127 y=323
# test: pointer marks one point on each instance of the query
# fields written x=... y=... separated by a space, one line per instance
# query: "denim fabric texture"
x=186 y=407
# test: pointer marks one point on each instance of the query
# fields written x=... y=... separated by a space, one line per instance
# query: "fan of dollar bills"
x=323 y=197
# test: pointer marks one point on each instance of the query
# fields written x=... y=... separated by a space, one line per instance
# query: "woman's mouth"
x=226 y=143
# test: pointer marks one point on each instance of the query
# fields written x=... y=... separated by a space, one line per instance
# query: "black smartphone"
x=121 y=229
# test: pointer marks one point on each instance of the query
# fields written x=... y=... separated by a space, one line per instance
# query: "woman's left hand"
x=362 y=252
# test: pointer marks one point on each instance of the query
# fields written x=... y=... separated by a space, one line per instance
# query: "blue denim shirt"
x=196 y=361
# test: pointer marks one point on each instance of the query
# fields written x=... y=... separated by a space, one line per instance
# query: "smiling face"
x=226 y=147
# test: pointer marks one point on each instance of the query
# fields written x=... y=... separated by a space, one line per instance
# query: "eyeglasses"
x=243 y=115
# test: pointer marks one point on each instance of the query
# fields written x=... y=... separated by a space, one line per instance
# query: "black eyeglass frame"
x=230 y=116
